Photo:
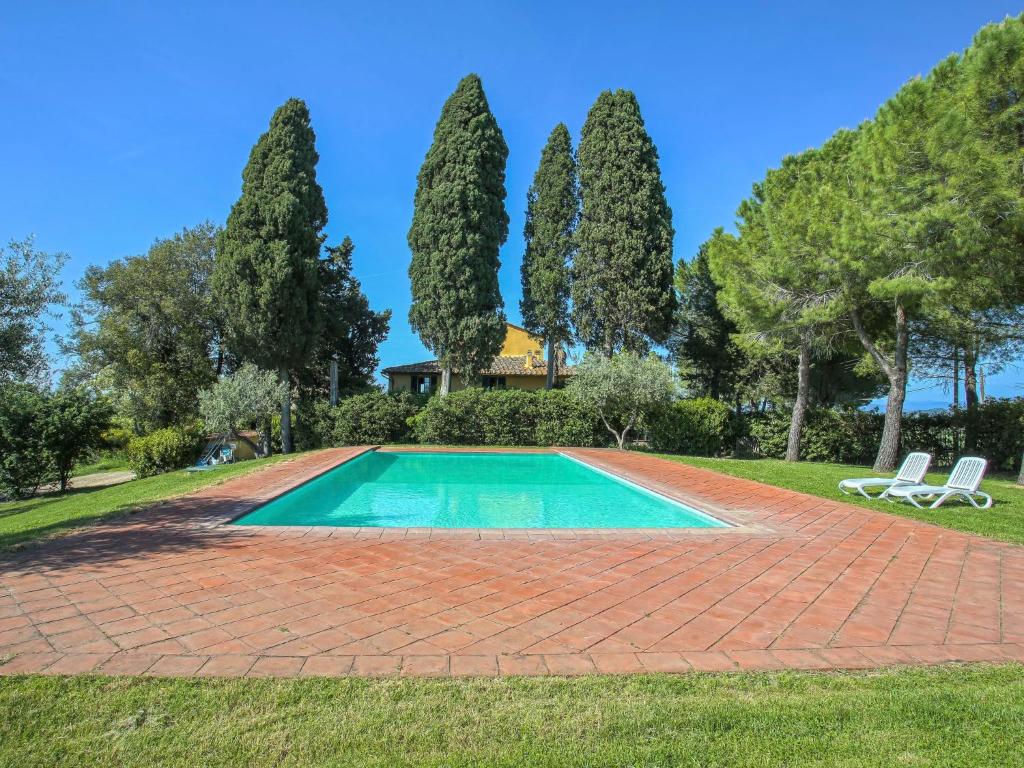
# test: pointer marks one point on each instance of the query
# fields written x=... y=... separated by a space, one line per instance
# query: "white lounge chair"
x=912 y=472
x=963 y=481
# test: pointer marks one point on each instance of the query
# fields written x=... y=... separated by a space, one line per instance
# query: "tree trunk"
x=970 y=395
x=796 y=423
x=550 y=383
x=970 y=378
x=446 y=380
x=1020 y=477
x=896 y=372
x=956 y=377
x=286 y=411
x=268 y=438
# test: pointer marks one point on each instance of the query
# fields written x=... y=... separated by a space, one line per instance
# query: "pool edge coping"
x=731 y=526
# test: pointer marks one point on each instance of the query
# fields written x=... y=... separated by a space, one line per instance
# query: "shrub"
x=935 y=432
x=700 y=426
x=116 y=439
x=25 y=463
x=314 y=424
x=165 y=449
x=509 y=417
x=769 y=431
x=995 y=429
x=373 y=418
x=563 y=419
x=455 y=419
x=846 y=436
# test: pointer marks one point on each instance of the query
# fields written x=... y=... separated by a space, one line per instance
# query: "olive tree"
x=623 y=388
x=248 y=396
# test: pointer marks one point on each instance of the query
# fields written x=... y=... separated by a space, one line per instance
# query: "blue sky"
x=125 y=122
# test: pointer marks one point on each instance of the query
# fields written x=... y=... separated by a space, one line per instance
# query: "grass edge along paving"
x=949 y=716
x=1003 y=521
x=44 y=516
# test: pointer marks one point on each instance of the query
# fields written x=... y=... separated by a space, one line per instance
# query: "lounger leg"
x=942 y=498
x=976 y=505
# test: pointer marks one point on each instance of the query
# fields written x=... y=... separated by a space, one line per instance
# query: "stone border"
x=735 y=523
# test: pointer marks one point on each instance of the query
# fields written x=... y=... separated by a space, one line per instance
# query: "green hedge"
x=165 y=449
x=373 y=418
x=994 y=430
x=701 y=426
x=508 y=417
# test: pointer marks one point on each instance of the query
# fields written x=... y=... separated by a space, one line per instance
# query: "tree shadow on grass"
x=126 y=532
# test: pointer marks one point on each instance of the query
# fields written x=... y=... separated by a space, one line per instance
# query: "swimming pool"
x=473 y=490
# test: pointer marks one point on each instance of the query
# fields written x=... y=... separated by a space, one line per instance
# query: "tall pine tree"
x=552 y=210
x=708 y=360
x=622 y=274
x=265 y=277
x=457 y=228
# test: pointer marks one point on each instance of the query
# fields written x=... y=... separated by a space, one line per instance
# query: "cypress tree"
x=265 y=276
x=458 y=226
x=622 y=275
x=552 y=210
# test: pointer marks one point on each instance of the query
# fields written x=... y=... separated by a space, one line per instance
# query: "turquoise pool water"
x=473 y=490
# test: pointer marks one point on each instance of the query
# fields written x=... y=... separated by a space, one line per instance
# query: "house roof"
x=504 y=365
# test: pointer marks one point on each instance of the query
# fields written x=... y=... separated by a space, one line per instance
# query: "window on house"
x=423 y=385
x=494 y=382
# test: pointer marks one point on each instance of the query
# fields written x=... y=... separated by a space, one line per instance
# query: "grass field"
x=1005 y=519
x=954 y=716
x=26 y=519
x=101 y=464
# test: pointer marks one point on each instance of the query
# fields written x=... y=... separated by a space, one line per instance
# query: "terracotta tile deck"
x=800 y=582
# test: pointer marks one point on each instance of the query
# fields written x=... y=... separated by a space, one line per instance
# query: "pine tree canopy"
x=552 y=211
x=266 y=272
x=458 y=226
x=706 y=357
x=622 y=274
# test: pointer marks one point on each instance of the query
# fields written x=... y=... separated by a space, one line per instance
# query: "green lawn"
x=102 y=464
x=954 y=716
x=1005 y=520
x=27 y=519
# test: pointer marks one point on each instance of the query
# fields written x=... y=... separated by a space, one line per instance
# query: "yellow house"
x=521 y=365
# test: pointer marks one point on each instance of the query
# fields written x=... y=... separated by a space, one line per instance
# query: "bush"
x=25 y=463
x=455 y=419
x=564 y=420
x=314 y=424
x=115 y=439
x=509 y=417
x=165 y=449
x=845 y=436
x=700 y=426
x=995 y=430
x=373 y=418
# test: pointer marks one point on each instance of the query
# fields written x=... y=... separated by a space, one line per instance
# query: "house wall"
x=402 y=382
x=519 y=342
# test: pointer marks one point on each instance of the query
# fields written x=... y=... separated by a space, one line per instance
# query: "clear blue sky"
x=125 y=122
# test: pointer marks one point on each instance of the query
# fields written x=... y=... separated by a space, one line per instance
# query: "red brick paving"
x=800 y=582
